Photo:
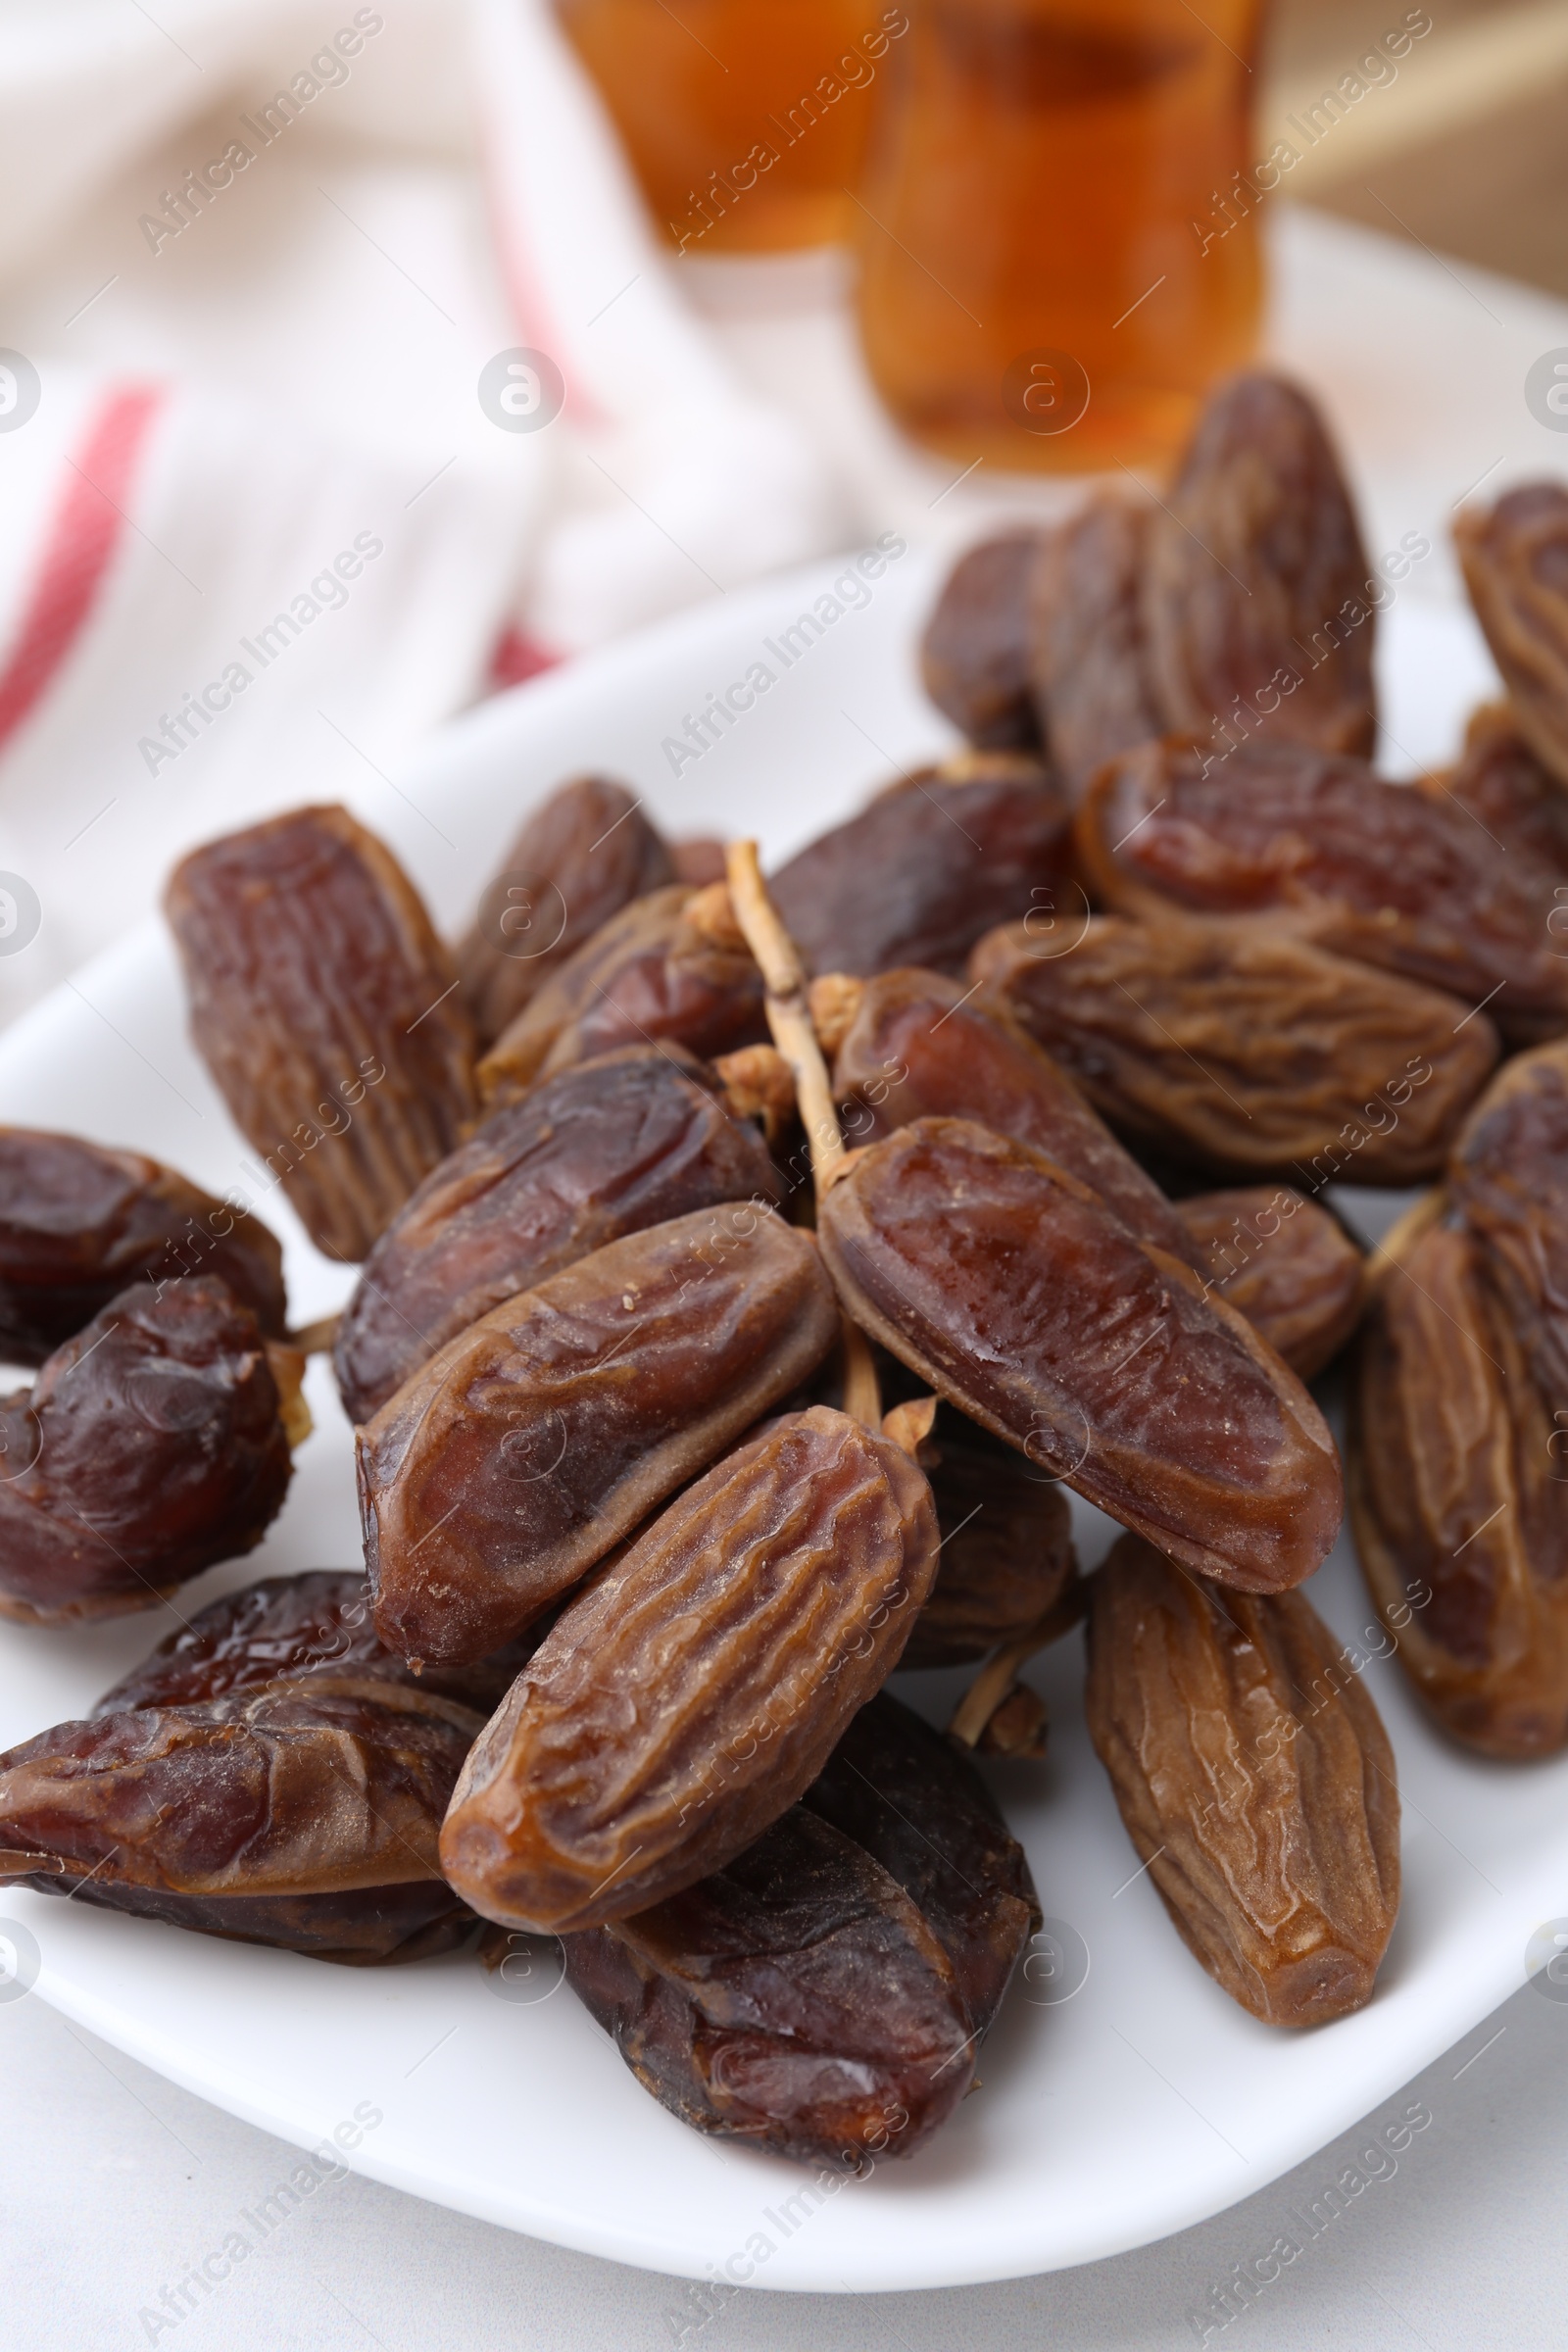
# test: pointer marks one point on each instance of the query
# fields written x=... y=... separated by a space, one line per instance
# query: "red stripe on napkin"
x=516 y=658
x=77 y=551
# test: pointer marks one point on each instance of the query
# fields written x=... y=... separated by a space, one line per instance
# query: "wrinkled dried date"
x=1459 y=1516
x=647 y=973
x=1508 y=1175
x=1090 y=656
x=289 y=1628
x=910 y=1797
x=689 y=1695
x=579 y=860
x=1516 y=798
x=149 y=1446
x=301 y=1813
x=325 y=1008
x=1515 y=561
x=794 y=2000
x=1242 y=1052
x=1012 y=1289
x=78 y=1223
x=975 y=654
x=1285 y=1265
x=919 y=1048
x=1256 y=590
x=604 y=1149
x=928 y=866
x=1400 y=879
x=1254 y=1779
x=519 y=1455
x=1007 y=1544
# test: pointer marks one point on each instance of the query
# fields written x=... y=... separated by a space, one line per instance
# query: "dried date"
x=301 y=1813
x=975 y=654
x=1091 y=669
x=1011 y=1288
x=80 y=1222
x=326 y=1009
x=1254 y=1779
x=650 y=972
x=1455 y=1499
x=289 y=1628
x=692 y=1693
x=928 y=866
x=1513 y=797
x=579 y=860
x=513 y=1460
x=1258 y=598
x=794 y=2000
x=150 y=1445
x=607 y=1148
x=1508 y=1176
x=1403 y=880
x=917 y=1047
x=1515 y=561
x=1285 y=1265
x=1007 y=1544
x=1231 y=1047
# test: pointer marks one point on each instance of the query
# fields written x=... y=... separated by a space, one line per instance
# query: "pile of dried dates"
x=744 y=1276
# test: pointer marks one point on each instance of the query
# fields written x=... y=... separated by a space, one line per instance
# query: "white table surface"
x=113 y=2183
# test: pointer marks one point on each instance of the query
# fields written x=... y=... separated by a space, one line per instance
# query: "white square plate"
x=1143 y=2103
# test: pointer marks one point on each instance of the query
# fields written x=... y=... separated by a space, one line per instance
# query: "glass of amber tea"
x=1058 y=244
x=746 y=121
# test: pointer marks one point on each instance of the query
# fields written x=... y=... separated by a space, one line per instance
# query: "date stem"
x=997 y=1679
x=315 y=1339
x=788 y=1021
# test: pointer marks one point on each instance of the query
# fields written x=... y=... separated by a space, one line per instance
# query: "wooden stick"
x=789 y=1019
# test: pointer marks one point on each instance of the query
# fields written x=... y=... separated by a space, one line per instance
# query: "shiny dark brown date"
x=578 y=859
x=822 y=1995
x=604 y=1149
x=326 y=1009
x=518 y=1456
x=1012 y=1289
x=1090 y=649
x=1258 y=600
x=975 y=656
x=80 y=1222
x=1007 y=1544
x=149 y=1446
x=289 y=1628
x=1403 y=880
x=647 y=974
x=928 y=866
x=919 y=1046
x=301 y=1813
x=1283 y=1263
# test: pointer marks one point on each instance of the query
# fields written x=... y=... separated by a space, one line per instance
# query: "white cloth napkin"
x=264 y=518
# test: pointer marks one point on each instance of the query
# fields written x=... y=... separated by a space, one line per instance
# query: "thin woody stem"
x=999 y=1672
x=789 y=1015
x=788 y=1021
x=315 y=1339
